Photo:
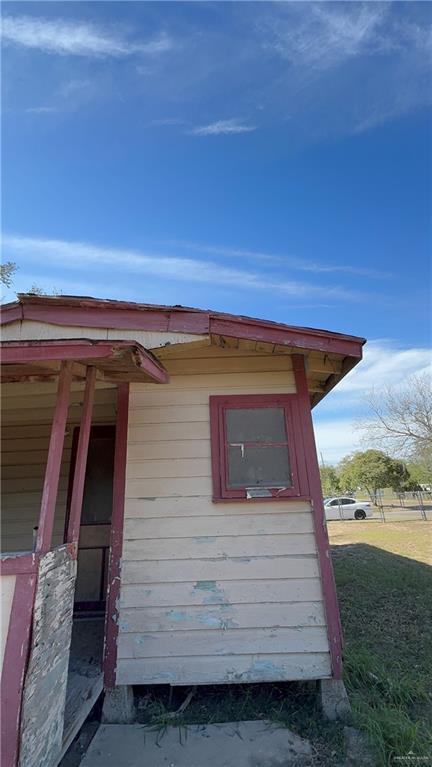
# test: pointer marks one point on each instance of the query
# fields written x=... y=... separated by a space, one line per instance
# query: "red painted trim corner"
x=14 y=666
x=116 y=544
x=334 y=629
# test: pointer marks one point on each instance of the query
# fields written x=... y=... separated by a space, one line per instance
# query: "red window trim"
x=290 y=403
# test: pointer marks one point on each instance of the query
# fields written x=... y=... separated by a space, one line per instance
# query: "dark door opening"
x=94 y=538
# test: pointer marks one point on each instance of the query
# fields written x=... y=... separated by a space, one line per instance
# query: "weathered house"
x=159 y=469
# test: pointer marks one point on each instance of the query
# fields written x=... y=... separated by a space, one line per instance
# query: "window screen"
x=257 y=447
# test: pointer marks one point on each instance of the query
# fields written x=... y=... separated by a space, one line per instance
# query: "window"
x=257 y=448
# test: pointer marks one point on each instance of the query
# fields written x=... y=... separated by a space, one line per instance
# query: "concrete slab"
x=242 y=744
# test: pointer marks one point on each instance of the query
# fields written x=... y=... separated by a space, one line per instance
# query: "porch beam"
x=81 y=458
x=55 y=451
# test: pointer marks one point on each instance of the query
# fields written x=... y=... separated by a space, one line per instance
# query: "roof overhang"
x=115 y=360
x=86 y=312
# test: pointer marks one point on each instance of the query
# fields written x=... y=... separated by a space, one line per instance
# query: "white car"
x=346 y=508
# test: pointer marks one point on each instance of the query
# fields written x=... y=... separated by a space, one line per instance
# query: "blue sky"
x=264 y=159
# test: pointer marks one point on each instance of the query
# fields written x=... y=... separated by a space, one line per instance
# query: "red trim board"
x=81 y=458
x=92 y=312
x=14 y=666
x=55 y=451
x=331 y=606
x=116 y=544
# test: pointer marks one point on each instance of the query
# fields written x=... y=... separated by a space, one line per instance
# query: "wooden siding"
x=27 y=411
x=211 y=593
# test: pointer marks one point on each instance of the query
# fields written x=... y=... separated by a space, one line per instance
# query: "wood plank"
x=154 y=451
x=219 y=547
x=27 y=458
x=294 y=614
x=232 y=524
x=171 y=414
x=143 y=488
x=140 y=508
x=78 y=709
x=163 y=644
x=181 y=467
x=167 y=431
x=226 y=381
x=206 y=571
x=225 y=364
x=44 y=415
x=44 y=401
x=178 y=595
x=221 y=670
x=29 y=484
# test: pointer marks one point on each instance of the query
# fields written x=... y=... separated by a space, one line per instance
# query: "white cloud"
x=222 y=127
x=335 y=439
x=79 y=255
x=75 y=38
x=384 y=364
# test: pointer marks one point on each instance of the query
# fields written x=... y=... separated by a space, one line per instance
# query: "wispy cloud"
x=42 y=110
x=80 y=255
x=68 y=38
x=300 y=264
x=324 y=34
x=222 y=127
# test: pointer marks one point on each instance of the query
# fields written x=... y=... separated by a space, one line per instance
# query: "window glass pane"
x=260 y=424
x=259 y=466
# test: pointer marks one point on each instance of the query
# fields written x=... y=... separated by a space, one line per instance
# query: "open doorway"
x=85 y=677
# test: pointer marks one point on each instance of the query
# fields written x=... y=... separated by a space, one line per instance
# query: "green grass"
x=386 y=603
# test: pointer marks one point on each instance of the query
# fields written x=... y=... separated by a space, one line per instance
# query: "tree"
x=401 y=420
x=371 y=471
x=329 y=481
x=7 y=271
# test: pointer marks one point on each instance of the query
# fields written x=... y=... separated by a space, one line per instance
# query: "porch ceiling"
x=114 y=360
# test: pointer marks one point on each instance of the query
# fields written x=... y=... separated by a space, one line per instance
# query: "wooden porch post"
x=116 y=543
x=55 y=450
x=81 y=458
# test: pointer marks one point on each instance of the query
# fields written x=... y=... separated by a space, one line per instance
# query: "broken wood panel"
x=223 y=616
x=223 y=670
x=46 y=679
x=177 y=595
x=209 y=546
x=228 y=641
x=32 y=330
